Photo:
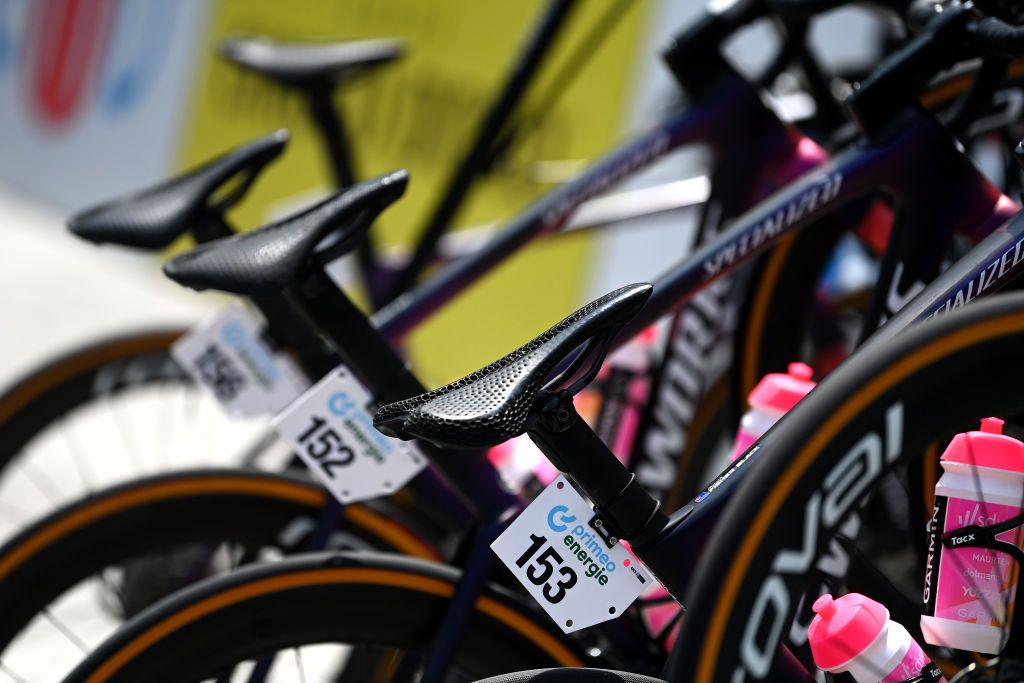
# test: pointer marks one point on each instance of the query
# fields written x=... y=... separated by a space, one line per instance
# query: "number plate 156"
x=565 y=565
x=330 y=427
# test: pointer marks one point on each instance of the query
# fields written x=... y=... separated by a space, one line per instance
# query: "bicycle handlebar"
x=810 y=8
x=997 y=38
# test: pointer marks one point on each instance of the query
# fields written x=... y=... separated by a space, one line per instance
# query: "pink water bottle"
x=772 y=398
x=969 y=592
x=854 y=634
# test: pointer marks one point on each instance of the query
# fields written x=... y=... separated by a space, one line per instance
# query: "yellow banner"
x=421 y=113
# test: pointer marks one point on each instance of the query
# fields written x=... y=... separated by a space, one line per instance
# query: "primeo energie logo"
x=585 y=546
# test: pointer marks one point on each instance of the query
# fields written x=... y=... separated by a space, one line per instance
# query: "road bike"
x=61 y=395
x=496 y=403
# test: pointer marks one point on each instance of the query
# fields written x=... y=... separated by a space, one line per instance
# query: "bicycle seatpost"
x=626 y=510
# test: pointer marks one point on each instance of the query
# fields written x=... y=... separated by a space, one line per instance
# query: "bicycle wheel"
x=878 y=410
x=776 y=307
x=99 y=414
x=353 y=599
x=128 y=546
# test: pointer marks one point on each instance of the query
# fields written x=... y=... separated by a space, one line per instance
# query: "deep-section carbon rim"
x=878 y=409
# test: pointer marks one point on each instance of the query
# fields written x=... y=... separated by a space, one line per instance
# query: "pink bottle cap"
x=843 y=628
x=987 y=448
x=780 y=392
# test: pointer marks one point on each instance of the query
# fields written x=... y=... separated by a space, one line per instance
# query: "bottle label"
x=970 y=585
x=912 y=664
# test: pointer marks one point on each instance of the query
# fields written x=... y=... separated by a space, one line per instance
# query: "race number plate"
x=331 y=428
x=229 y=358
x=565 y=565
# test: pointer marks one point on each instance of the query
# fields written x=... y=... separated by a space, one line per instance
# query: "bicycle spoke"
x=126 y=435
x=15 y=677
x=78 y=457
x=64 y=630
x=43 y=483
x=165 y=427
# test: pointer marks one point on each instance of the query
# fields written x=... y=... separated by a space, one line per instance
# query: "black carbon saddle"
x=300 y=65
x=267 y=260
x=154 y=218
x=492 y=405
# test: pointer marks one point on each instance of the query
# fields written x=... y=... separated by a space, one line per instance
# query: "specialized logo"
x=811 y=199
x=605 y=175
x=841 y=489
x=991 y=274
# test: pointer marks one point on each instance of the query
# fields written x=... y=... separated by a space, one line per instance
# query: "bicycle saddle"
x=306 y=64
x=155 y=217
x=492 y=405
x=266 y=260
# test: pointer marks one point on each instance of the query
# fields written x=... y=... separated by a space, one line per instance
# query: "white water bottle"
x=772 y=398
x=853 y=634
x=969 y=592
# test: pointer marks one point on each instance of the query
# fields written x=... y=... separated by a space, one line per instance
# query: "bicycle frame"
x=732 y=121
x=930 y=206
x=727 y=116
x=914 y=163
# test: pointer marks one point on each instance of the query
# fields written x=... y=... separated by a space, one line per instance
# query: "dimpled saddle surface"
x=303 y=64
x=267 y=260
x=491 y=405
x=155 y=217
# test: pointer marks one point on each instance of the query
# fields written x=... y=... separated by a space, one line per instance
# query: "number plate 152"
x=330 y=427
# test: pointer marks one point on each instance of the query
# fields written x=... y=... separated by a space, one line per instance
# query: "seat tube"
x=572 y=446
x=390 y=379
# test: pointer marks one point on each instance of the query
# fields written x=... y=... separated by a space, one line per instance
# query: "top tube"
x=732 y=104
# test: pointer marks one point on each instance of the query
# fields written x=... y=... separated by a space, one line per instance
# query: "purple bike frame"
x=915 y=164
x=729 y=118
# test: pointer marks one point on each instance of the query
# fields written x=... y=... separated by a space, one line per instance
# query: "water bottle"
x=853 y=634
x=772 y=398
x=967 y=591
x=626 y=384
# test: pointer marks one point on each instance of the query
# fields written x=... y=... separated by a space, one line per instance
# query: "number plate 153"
x=565 y=565
x=331 y=429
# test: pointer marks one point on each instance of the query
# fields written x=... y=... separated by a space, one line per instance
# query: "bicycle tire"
x=389 y=601
x=918 y=387
x=162 y=512
x=775 y=310
x=59 y=385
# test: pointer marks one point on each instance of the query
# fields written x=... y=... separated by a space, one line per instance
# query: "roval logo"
x=840 y=490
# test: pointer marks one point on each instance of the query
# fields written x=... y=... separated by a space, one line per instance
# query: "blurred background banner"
x=99 y=97
x=93 y=92
x=421 y=113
